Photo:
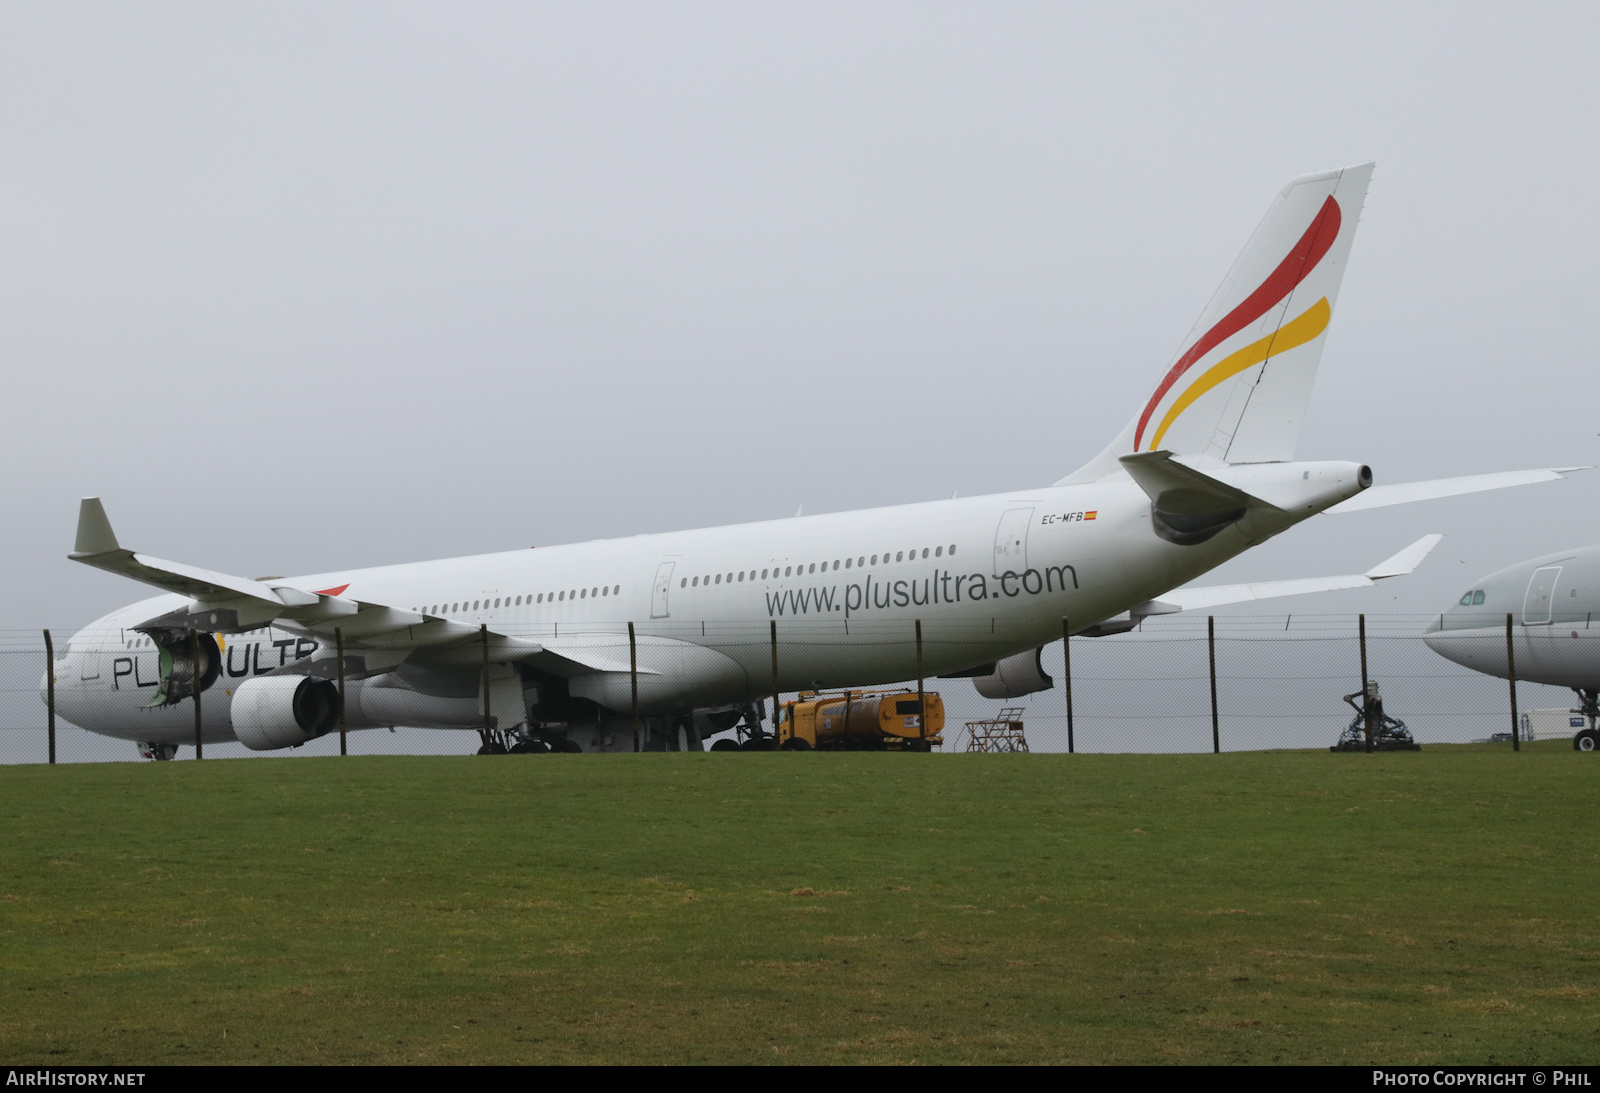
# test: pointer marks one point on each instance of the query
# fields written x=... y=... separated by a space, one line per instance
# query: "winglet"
x=1405 y=561
x=94 y=530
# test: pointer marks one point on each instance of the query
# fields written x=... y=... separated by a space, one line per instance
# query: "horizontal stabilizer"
x=1405 y=492
x=1192 y=599
x=1166 y=480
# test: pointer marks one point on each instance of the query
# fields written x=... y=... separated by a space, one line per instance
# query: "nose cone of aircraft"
x=1472 y=639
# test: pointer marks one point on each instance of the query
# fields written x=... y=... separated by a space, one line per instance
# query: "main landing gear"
x=523 y=741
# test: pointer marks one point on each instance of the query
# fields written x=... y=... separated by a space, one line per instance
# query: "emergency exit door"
x=658 y=595
x=1011 y=542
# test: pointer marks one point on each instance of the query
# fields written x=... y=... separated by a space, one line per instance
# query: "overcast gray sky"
x=305 y=286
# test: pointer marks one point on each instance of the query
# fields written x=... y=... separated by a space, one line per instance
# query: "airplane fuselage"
x=986 y=577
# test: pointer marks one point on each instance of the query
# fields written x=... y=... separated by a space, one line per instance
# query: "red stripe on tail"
x=1294 y=268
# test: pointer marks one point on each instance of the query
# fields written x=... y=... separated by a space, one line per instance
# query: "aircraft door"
x=658 y=596
x=1541 y=593
x=1011 y=542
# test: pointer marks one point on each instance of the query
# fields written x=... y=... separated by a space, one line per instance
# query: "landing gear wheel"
x=1587 y=740
x=759 y=743
x=529 y=747
x=725 y=745
x=567 y=746
x=796 y=743
x=492 y=748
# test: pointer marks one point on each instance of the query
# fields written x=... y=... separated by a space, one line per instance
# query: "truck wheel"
x=797 y=743
x=1587 y=740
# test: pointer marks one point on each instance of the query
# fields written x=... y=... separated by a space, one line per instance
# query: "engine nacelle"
x=1015 y=676
x=282 y=711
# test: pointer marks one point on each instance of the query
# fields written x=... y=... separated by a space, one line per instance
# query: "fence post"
x=1211 y=649
x=633 y=680
x=1511 y=673
x=194 y=651
x=1366 y=696
x=776 y=709
x=338 y=639
x=483 y=636
x=50 y=690
x=922 y=710
x=1066 y=672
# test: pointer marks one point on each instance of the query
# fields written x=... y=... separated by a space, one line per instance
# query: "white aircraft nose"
x=1481 y=648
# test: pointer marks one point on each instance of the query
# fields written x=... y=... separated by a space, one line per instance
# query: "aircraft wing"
x=220 y=601
x=1398 y=565
x=1405 y=492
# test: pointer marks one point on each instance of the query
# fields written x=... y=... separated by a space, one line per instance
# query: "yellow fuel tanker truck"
x=862 y=721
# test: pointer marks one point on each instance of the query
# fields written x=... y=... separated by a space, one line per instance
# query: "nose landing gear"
x=162 y=752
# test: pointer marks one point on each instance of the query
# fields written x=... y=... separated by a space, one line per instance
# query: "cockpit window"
x=1466 y=601
x=1477 y=597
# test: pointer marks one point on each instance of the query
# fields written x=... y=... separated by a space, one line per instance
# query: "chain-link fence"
x=1278 y=683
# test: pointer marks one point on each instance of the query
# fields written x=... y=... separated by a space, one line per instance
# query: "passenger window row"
x=804 y=570
x=520 y=601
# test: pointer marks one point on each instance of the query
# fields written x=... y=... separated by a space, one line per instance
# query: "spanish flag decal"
x=1091 y=514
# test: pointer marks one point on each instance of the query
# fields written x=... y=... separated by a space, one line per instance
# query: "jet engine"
x=283 y=711
x=1015 y=676
x=180 y=674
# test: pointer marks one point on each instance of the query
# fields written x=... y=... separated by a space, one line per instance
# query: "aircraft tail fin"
x=1238 y=387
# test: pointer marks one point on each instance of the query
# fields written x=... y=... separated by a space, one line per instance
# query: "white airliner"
x=1554 y=606
x=533 y=647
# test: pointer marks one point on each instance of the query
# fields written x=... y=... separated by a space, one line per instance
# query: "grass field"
x=1265 y=907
